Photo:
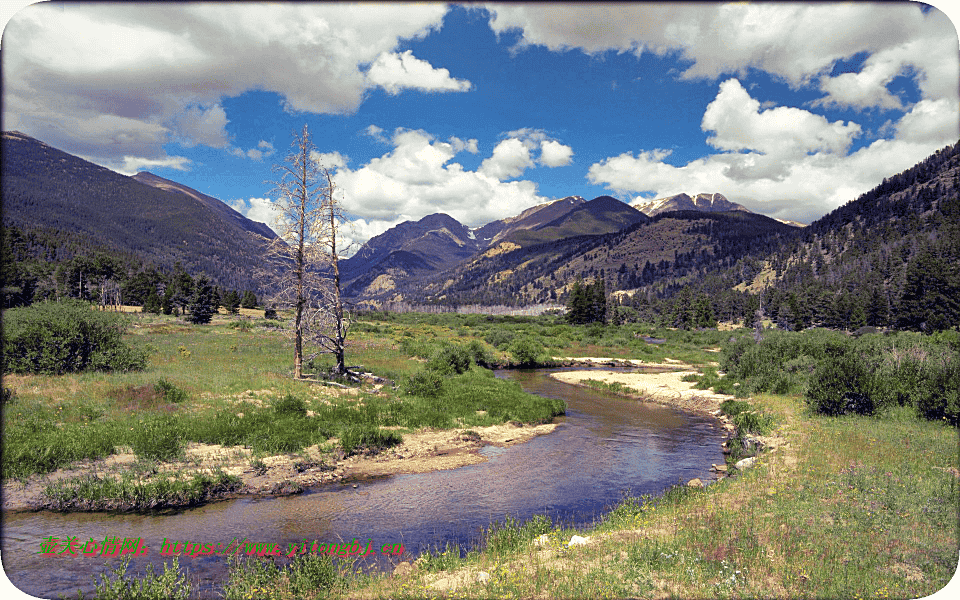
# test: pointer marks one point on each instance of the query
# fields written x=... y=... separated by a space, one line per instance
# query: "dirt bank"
x=285 y=474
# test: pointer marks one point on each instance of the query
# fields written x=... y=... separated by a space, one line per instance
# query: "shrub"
x=479 y=353
x=169 y=392
x=842 y=384
x=56 y=338
x=499 y=338
x=290 y=405
x=449 y=359
x=526 y=351
x=424 y=383
x=938 y=392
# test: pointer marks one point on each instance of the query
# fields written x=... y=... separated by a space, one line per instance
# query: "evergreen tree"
x=578 y=308
x=231 y=302
x=249 y=300
x=598 y=300
x=201 y=303
x=703 y=313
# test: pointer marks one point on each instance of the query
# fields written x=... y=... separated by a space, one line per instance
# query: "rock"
x=695 y=483
x=403 y=569
x=746 y=463
x=719 y=468
x=542 y=541
x=578 y=541
x=483 y=577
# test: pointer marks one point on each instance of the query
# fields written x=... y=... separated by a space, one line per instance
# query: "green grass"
x=614 y=387
x=128 y=492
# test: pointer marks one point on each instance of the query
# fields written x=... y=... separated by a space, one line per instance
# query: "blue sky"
x=482 y=111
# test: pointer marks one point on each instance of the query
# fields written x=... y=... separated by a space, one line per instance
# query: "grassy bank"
x=229 y=384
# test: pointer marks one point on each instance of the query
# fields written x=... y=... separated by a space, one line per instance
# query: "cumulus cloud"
x=198 y=125
x=111 y=80
x=512 y=156
x=783 y=161
x=799 y=43
x=555 y=154
x=418 y=177
x=395 y=72
x=256 y=209
x=510 y=159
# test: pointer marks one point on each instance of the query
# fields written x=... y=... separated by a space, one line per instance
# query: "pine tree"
x=201 y=302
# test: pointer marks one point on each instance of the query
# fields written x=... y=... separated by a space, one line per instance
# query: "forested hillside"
x=66 y=207
x=890 y=258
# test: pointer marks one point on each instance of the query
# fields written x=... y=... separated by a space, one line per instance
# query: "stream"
x=604 y=448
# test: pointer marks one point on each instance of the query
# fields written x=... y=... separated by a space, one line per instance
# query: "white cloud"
x=131 y=165
x=418 y=177
x=256 y=209
x=510 y=159
x=144 y=67
x=555 y=154
x=784 y=161
x=798 y=42
x=775 y=137
x=198 y=125
x=329 y=160
x=461 y=145
x=395 y=72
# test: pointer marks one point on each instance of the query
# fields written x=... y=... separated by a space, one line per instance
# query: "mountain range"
x=860 y=259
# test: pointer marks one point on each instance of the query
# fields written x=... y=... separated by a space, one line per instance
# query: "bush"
x=449 y=359
x=499 y=338
x=56 y=338
x=424 y=383
x=169 y=392
x=526 y=351
x=290 y=405
x=843 y=384
x=938 y=392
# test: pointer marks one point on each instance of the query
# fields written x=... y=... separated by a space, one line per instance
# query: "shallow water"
x=604 y=448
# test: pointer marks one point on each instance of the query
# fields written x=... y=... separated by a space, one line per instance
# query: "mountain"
x=891 y=257
x=435 y=243
x=217 y=206
x=601 y=215
x=410 y=249
x=671 y=247
x=532 y=218
x=46 y=189
x=702 y=202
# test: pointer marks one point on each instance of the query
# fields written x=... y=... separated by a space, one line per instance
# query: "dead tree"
x=306 y=251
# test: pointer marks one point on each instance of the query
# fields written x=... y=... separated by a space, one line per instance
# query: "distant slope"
x=671 y=247
x=47 y=188
x=532 y=218
x=217 y=206
x=601 y=215
x=702 y=202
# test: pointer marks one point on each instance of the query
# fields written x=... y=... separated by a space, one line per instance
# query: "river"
x=605 y=447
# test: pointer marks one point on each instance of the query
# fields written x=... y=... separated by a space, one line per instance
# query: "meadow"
x=859 y=501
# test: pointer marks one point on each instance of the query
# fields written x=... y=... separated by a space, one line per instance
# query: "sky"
x=481 y=111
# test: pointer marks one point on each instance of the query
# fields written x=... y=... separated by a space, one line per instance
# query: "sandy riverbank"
x=420 y=452
x=665 y=387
